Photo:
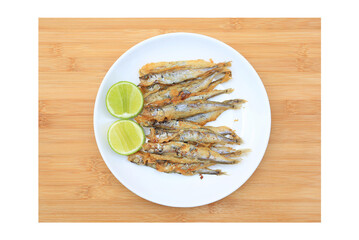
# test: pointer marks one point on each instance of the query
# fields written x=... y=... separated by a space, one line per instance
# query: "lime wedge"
x=125 y=137
x=124 y=100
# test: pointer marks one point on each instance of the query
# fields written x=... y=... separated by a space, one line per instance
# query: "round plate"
x=252 y=123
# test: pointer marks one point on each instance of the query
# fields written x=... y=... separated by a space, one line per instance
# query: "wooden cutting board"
x=76 y=186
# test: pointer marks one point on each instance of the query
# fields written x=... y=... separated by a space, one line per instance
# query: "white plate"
x=253 y=125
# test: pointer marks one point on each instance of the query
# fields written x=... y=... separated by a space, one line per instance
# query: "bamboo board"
x=76 y=186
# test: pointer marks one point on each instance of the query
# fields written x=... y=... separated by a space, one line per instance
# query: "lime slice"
x=124 y=100
x=125 y=137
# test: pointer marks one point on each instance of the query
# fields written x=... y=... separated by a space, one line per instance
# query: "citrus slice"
x=125 y=137
x=124 y=100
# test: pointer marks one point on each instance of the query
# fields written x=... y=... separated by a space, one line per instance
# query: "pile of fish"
x=176 y=108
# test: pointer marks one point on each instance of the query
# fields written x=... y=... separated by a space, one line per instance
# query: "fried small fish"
x=190 y=97
x=185 y=150
x=187 y=169
x=208 y=94
x=188 y=108
x=223 y=149
x=146 y=91
x=225 y=131
x=176 y=73
x=181 y=125
x=176 y=108
x=183 y=89
x=190 y=135
x=215 y=83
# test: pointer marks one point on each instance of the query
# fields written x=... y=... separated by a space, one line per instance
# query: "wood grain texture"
x=76 y=186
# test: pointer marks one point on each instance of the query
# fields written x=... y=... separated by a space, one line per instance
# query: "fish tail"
x=238 y=153
x=227 y=77
x=225 y=64
x=229 y=90
x=235 y=103
x=210 y=171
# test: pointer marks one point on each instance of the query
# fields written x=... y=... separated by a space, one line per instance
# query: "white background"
x=19 y=112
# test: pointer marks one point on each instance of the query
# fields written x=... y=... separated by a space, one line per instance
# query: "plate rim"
x=132 y=49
